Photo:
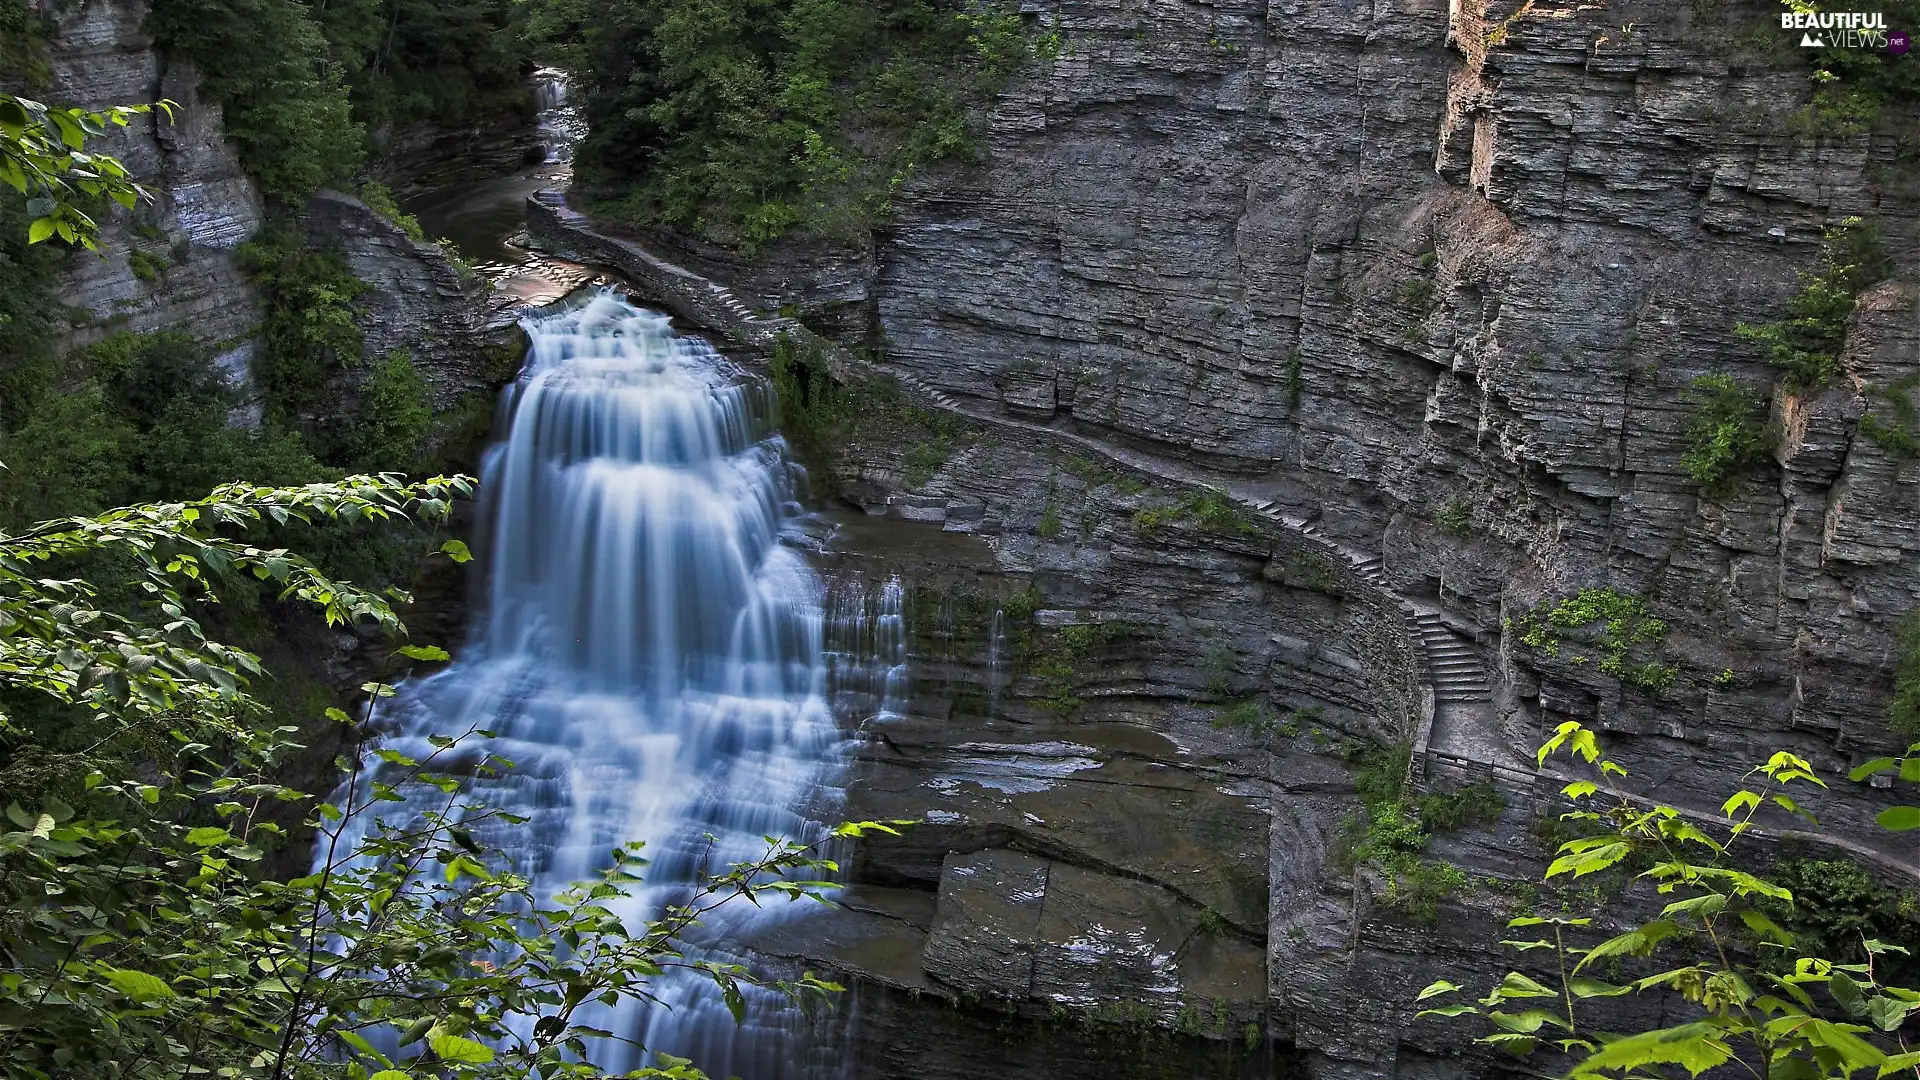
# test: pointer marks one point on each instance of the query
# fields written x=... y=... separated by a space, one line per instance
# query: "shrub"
x=1455 y=516
x=1806 y=346
x=1727 y=436
x=379 y=199
x=309 y=330
x=1903 y=708
x=285 y=107
x=395 y=416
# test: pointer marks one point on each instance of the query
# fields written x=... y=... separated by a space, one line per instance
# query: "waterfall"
x=558 y=120
x=651 y=656
x=867 y=651
x=995 y=641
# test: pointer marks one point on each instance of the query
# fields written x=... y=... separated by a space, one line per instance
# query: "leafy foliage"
x=379 y=199
x=1806 y=346
x=744 y=119
x=1209 y=508
x=1854 y=89
x=1734 y=1007
x=43 y=156
x=1728 y=435
x=284 y=104
x=136 y=416
x=309 y=330
x=1903 y=708
x=302 y=85
x=396 y=417
x=1625 y=625
x=1394 y=827
x=143 y=940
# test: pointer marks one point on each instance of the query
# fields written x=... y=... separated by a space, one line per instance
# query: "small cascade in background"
x=996 y=643
x=557 y=120
x=867 y=650
x=653 y=658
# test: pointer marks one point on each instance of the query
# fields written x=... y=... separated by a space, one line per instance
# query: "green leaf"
x=1694 y=1047
x=1436 y=988
x=1886 y=1013
x=208 y=836
x=1899 y=818
x=1448 y=1010
x=453 y=1048
x=1516 y=985
x=457 y=551
x=389 y=1074
x=1870 y=768
x=42 y=229
x=1584 y=987
x=422 y=652
x=137 y=985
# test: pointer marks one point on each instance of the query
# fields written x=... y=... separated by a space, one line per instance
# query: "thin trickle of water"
x=651 y=656
x=867 y=651
x=996 y=641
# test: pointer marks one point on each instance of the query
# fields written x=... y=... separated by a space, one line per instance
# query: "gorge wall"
x=170 y=264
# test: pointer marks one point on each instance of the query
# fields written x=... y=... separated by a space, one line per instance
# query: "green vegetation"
x=1806 y=346
x=309 y=331
x=145 y=265
x=285 y=108
x=1894 y=435
x=396 y=418
x=1837 y=904
x=1250 y=716
x=1855 y=89
x=1455 y=516
x=1784 y=1002
x=379 y=199
x=43 y=158
x=1903 y=708
x=1625 y=627
x=301 y=85
x=144 y=939
x=744 y=119
x=1394 y=828
x=1307 y=570
x=1296 y=381
x=820 y=415
x=1728 y=436
x=1208 y=508
x=1217 y=669
x=1060 y=658
x=137 y=416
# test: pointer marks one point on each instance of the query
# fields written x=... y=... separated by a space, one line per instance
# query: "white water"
x=651 y=656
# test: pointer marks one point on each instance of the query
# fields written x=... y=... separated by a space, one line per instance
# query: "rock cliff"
x=1423 y=290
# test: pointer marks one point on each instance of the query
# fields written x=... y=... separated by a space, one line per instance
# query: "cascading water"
x=652 y=656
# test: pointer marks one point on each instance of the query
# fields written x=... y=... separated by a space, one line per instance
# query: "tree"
x=139 y=937
x=1749 y=992
x=43 y=156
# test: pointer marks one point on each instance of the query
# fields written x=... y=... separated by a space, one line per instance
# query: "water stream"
x=656 y=662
